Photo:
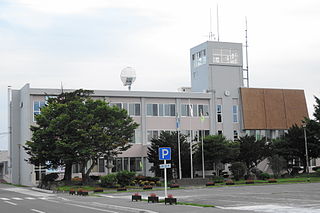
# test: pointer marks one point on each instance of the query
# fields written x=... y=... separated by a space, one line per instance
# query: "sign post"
x=165 y=154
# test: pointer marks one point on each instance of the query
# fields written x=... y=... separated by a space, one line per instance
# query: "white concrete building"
x=217 y=91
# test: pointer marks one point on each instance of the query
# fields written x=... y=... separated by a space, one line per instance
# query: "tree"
x=253 y=151
x=73 y=128
x=277 y=164
x=170 y=139
x=217 y=149
x=293 y=144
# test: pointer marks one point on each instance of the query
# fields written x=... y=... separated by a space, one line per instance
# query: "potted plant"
x=210 y=183
x=146 y=187
x=122 y=189
x=174 y=185
x=85 y=193
x=272 y=180
x=249 y=181
x=136 y=196
x=98 y=190
x=72 y=192
x=170 y=199
x=229 y=182
x=79 y=191
x=153 y=198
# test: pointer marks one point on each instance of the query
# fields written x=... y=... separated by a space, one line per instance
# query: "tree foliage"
x=73 y=128
x=170 y=139
x=217 y=149
x=253 y=151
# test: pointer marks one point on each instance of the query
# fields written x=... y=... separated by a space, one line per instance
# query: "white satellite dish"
x=128 y=76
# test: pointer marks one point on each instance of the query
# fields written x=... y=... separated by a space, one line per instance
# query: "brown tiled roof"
x=272 y=108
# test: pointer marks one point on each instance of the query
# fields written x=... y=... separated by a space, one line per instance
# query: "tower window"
x=219 y=113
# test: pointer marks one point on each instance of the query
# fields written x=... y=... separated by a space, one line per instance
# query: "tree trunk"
x=83 y=172
x=68 y=172
x=94 y=162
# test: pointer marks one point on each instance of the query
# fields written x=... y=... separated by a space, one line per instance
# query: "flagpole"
x=191 y=113
x=179 y=148
x=202 y=150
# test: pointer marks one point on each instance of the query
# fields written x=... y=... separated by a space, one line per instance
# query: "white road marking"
x=29 y=198
x=38 y=211
x=16 y=198
x=28 y=192
x=3 y=198
x=10 y=203
x=88 y=207
x=124 y=208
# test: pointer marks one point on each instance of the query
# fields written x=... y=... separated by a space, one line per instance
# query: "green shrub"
x=108 y=180
x=238 y=170
x=264 y=176
x=318 y=172
x=50 y=177
x=125 y=177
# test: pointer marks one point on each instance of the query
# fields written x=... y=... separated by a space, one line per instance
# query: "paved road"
x=293 y=198
x=24 y=200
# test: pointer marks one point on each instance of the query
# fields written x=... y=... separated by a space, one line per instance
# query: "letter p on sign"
x=165 y=153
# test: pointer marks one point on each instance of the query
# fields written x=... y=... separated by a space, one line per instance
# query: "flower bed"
x=174 y=185
x=249 y=181
x=229 y=182
x=147 y=187
x=136 y=197
x=153 y=198
x=272 y=180
x=210 y=183
x=170 y=199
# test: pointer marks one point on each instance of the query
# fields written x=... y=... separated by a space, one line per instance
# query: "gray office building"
x=217 y=92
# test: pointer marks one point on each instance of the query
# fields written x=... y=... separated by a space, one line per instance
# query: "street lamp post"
x=306 y=147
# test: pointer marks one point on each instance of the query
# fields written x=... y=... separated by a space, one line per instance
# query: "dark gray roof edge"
x=120 y=93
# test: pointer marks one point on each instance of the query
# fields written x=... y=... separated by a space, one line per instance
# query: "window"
x=219 y=113
x=203 y=110
x=226 y=56
x=189 y=110
x=134 y=109
x=219 y=132
x=37 y=105
x=199 y=58
x=152 y=109
x=101 y=165
x=119 y=105
x=152 y=134
x=235 y=113
x=169 y=109
x=235 y=135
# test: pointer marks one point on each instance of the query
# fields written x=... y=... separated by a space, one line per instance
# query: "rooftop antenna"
x=218 y=33
x=211 y=35
x=128 y=76
x=246 y=70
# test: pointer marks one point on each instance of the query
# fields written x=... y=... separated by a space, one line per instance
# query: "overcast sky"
x=86 y=43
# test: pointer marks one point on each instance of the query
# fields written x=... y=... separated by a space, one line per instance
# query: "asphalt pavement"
x=278 y=198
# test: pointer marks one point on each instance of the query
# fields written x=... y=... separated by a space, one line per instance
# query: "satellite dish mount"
x=128 y=76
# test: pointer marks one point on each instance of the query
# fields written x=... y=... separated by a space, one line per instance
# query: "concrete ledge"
x=42 y=190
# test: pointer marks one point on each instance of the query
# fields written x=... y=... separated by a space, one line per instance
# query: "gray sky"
x=86 y=43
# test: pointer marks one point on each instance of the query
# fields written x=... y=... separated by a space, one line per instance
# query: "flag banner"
x=201 y=117
x=191 y=110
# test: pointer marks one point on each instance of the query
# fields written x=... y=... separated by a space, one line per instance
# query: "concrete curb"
x=42 y=190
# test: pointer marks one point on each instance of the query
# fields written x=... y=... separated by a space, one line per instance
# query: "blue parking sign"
x=165 y=153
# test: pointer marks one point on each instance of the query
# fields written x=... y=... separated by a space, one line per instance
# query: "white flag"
x=191 y=110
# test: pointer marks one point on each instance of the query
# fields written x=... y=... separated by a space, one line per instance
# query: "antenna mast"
x=246 y=70
x=218 y=23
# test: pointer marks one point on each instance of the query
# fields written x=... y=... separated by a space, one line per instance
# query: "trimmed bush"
x=238 y=170
x=50 y=177
x=109 y=180
x=264 y=176
x=125 y=177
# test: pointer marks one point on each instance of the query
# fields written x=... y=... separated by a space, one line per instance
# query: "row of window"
x=226 y=56
x=235 y=113
x=187 y=110
x=199 y=58
x=195 y=134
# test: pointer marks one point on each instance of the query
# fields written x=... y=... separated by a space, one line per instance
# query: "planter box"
x=147 y=187
x=170 y=200
x=72 y=192
x=153 y=199
x=121 y=189
x=83 y=193
x=272 y=180
x=136 y=198
x=229 y=183
x=210 y=184
x=174 y=186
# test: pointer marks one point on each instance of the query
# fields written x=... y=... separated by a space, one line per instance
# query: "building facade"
x=217 y=92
